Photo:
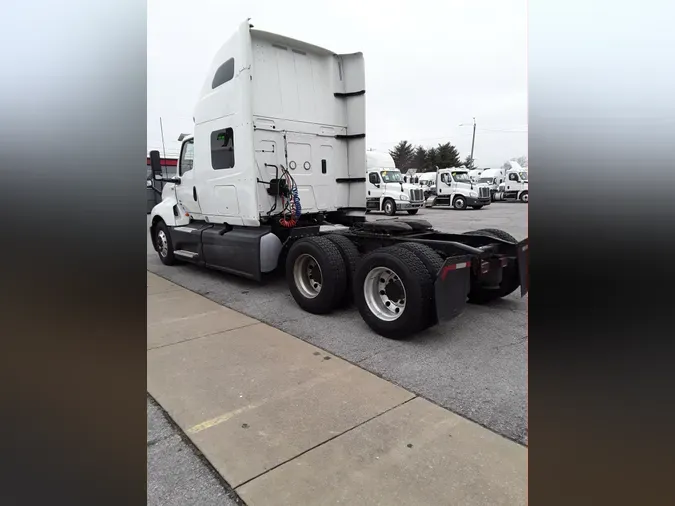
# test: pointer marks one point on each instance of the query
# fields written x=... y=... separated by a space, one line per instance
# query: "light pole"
x=473 y=138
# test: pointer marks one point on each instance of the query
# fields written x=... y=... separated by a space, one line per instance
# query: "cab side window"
x=445 y=178
x=187 y=156
x=374 y=178
x=513 y=177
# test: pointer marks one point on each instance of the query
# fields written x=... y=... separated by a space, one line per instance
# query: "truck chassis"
x=402 y=275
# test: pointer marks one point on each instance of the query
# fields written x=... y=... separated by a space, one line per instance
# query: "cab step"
x=190 y=255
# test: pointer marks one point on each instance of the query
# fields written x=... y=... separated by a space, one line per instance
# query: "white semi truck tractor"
x=455 y=188
x=386 y=189
x=274 y=176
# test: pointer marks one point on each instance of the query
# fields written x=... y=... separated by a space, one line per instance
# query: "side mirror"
x=155 y=163
x=377 y=185
x=159 y=177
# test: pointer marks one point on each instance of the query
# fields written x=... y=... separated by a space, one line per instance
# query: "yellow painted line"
x=307 y=385
x=224 y=418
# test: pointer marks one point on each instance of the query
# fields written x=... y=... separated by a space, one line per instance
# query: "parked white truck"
x=515 y=186
x=385 y=189
x=455 y=188
x=492 y=178
x=275 y=176
x=427 y=180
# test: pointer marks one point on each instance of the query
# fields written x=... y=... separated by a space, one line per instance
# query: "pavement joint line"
x=357 y=364
x=205 y=335
x=291 y=391
x=326 y=441
x=183 y=318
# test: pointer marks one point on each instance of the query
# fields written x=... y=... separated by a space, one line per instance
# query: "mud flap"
x=523 y=257
x=452 y=287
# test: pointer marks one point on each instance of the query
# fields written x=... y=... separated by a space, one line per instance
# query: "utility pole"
x=473 y=139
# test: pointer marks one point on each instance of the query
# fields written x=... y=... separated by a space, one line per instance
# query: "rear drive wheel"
x=392 y=291
x=350 y=256
x=412 y=211
x=433 y=263
x=495 y=232
x=163 y=244
x=389 y=207
x=459 y=203
x=524 y=197
x=510 y=278
x=316 y=274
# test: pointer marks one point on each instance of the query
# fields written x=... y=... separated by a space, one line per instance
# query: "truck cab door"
x=512 y=182
x=444 y=184
x=186 y=190
x=374 y=191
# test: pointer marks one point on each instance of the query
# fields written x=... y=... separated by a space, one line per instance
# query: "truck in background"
x=515 y=186
x=274 y=176
x=492 y=178
x=455 y=188
x=386 y=189
x=427 y=180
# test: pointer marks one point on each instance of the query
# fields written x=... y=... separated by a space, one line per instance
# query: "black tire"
x=459 y=203
x=477 y=207
x=419 y=290
x=524 y=197
x=163 y=244
x=510 y=278
x=412 y=211
x=389 y=207
x=495 y=232
x=433 y=263
x=351 y=256
x=332 y=271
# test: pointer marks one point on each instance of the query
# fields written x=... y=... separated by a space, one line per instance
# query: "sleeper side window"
x=222 y=149
x=224 y=74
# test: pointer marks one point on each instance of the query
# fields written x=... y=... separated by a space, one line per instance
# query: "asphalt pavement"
x=475 y=366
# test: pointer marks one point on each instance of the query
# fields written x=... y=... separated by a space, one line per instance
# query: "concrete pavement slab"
x=415 y=454
x=173 y=305
x=259 y=393
x=176 y=330
x=157 y=284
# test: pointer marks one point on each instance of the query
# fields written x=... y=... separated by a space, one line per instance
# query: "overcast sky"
x=431 y=65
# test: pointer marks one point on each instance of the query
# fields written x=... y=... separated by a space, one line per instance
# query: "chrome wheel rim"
x=459 y=203
x=388 y=208
x=525 y=197
x=307 y=276
x=162 y=243
x=384 y=293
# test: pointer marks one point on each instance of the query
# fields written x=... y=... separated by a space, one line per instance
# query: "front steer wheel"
x=316 y=275
x=389 y=207
x=393 y=291
x=163 y=244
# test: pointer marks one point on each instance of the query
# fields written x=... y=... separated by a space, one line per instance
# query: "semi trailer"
x=274 y=177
